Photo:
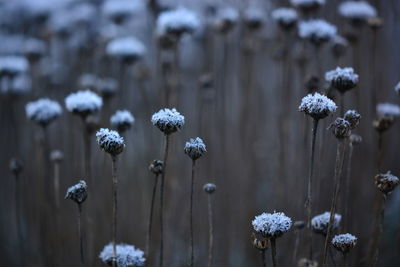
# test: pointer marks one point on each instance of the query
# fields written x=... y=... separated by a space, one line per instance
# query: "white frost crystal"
x=83 y=102
x=307 y=3
x=43 y=111
x=317 y=106
x=168 y=120
x=195 y=148
x=177 y=21
x=126 y=255
x=387 y=109
x=285 y=16
x=126 y=47
x=317 y=30
x=272 y=224
x=344 y=242
x=122 y=120
x=110 y=141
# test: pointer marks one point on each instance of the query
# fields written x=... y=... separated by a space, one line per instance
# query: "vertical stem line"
x=57 y=184
x=263 y=258
x=87 y=152
x=380 y=229
x=211 y=231
x=347 y=188
x=273 y=251
x=191 y=214
x=80 y=234
x=149 y=225
x=166 y=144
x=114 y=222
x=296 y=246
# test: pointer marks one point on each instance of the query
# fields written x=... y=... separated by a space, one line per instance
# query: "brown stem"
x=80 y=234
x=379 y=230
x=273 y=252
x=191 y=215
x=114 y=221
x=337 y=180
x=342 y=104
x=166 y=144
x=211 y=231
x=345 y=260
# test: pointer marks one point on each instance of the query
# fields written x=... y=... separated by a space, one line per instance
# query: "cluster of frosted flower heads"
x=122 y=120
x=126 y=255
x=387 y=109
x=78 y=192
x=286 y=17
x=272 y=224
x=357 y=10
x=342 y=79
x=195 y=148
x=126 y=48
x=83 y=102
x=344 y=242
x=177 y=22
x=317 y=106
x=168 y=120
x=386 y=182
x=110 y=141
x=317 y=30
x=307 y=3
x=13 y=65
x=43 y=111
x=320 y=222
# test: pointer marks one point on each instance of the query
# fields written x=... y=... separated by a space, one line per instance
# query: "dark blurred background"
x=238 y=90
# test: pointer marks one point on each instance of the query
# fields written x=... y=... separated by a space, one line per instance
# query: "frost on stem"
x=83 y=103
x=127 y=255
x=320 y=222
x=195 y=148
x=129 y=49
x=344 y=242
x=43 y=111
x=317 y=106
x=168 y=120
x=342 y=79
x=177 y=22
x=272 y=225
x=209 y=188
x=353 y=117
x=78 y=192
x=357 y=10
x=386 y=182
x=340 y=128
x=285 y=17
x=122 y=120
x=317 y=30
x=110 y=141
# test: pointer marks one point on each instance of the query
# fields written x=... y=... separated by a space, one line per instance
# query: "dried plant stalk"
x=191 y=215
x=166 y=144
x=211 y=231
x=114 y=220
x=149 y=224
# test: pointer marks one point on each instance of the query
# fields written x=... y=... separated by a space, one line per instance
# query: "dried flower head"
x=120 y=10
x=225 y=19
x=88 y=81
x=319 y=223
x=209 y=188
x=254 y=18
x=307 y=5
x=156 y=166
x=13 y=65
x=107 y=87
x=342 y=79
x=168 y=120
x=83 y=103
x=387 y=110
x=357 y=10
x=375 y=23
x=34 y=49
x=307 y=263
x=110 y=141
x=299 y=225
x=126 y=255
x=285 y=17
x=56 y=156
x=195 y=148
x=272 y=224
x=353 y=117
x=15 y=166
x=339 y=45
x=317 y=31
x=317 y=106
x=177 y=22
x=355 y=139
x=122 y=120
x=128 y=49
x=43 y=111
x=340 y=128
x=383 y=124
x=344 y=242
x=386 y=182
x=78 y=192
x=260 y=243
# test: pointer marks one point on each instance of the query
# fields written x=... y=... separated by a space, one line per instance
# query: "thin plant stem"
x=87 y=151
x=380 y=151
x=166 y=144
x=342 y=104
x=345 y=260
x=80 y=234
x=379 y=230
x=273 y=252
x=309 y=187
x=296 y=246
x=211 y=231
x=57 y=184
x=114 y=221
x=191 y=214
x=263 y=258
x=347 y=186
x=337 y=177
x=18 y=219
x=149 y=224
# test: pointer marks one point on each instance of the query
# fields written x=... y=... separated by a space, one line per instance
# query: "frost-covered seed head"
x=122 y=120
x=209 y=188
x=353 y=117
x=272 y=225
x=317 y=30
x=307 y=5
x=126 y=255
x=13 y=65
x=129 y=49
x=15 y=166
x=386 y=182
x=375 y=23
x=342 y=79
x=339 y=45
x=225 y=19
x=195 y=148
x=34 y=49
x=177 y=22
x=319 y=223
x=168 y=120
x=156 y=166
x=253 y=18
x=317 y=106
x=88 y=81
x=357 y=10
x=107 y=87
x=285 y=17
x=387 y=109
x=78 y=192
x=56 y=156
x=397 y=88
x=344 y=242
x=110 y=141
x=43 y=111
x=307 y=263
x=120 y=10
x=382 y=124
x=299 y=225
x=83 y=103
x=355 y=139
x=340 y=128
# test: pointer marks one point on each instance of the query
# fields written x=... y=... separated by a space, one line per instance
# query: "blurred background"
x=238 y=78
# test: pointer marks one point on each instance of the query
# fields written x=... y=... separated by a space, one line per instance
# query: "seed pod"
x=78 y=192
x=382 y=124
x=386 y=182
x=209 y=188
x=156 y=167
x=340 y=128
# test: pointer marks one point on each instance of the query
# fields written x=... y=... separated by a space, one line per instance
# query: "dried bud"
x=15 y=166
x=156 y=167
x=355 y=139
x=260 y=243
x=353 y=117
x=307 y=263
x=342 y=79
x=340 y=128
x=209 y=188
x=195 y=148
x=299 y=225
x=206 y=81
x=375 y=23
x=78 y=192
x=386 y=182
x=382 y=124
x=56 y=156
x=344 y=243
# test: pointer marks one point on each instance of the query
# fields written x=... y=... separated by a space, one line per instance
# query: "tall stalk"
x=380 y=230
x=347 y=185
x=166 y=144
x=87 y=150
x=263 y=258
x=273 y=251
x=211 y=231
x=149 y=224
x=80 y=234
x=18 y=218
x=337 y=180
x=191 y=214
x=114 y=221
x=57 y=184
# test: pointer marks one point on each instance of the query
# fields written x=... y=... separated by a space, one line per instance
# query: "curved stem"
x=211 y=232
x=273 y=252
x=114 y=222
x=191 y=214
x=80 y=234
x=162 y=199
x=309 y=187
x=338 y=173
x=380 y=230
x=153 y=197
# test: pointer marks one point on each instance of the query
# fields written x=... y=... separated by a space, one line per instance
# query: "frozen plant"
x=88 y=81
x=317 y=106
x=195 y=148
x=387 y=110
x=168 y=120
x=107 y=87
x=110 y=141
x=122 y=120
x=254 y=18
x=307 y=3
x=177 y=22
x=210 y=188
x=397 y=88
x=353 y=117
x=285 y=17
x=317 y=31
x=357 y=10
x=120 y=10
x=225 y=19
x=43 y=111
x=34 y=49
x=13 y=65
x=344 y=242
x=386 y=182
x=126 y=255
x=83 y=103
x=320 y=222
x=340 y=128
x=342 y=79
x=128 y=49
